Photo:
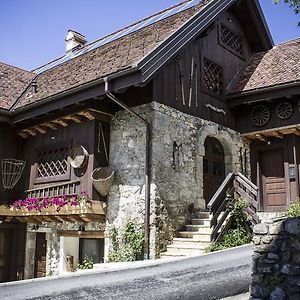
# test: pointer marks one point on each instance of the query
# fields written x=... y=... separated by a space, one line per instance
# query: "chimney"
x=74 y=40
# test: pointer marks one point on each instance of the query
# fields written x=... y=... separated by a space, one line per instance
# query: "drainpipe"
x=147 y=164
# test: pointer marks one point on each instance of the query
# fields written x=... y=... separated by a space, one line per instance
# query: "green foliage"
x=294 y=210
x=295 y=4
x=86 y=264
x=129 y=246
x=237 y=208
x=239 y=233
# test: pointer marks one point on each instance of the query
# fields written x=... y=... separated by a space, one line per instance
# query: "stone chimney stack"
x=74 y=40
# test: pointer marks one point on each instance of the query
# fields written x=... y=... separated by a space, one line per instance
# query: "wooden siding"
x=169 y=85
x=84 y=134
x=243 y=122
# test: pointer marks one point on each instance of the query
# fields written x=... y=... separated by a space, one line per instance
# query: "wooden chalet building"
x=187 y=102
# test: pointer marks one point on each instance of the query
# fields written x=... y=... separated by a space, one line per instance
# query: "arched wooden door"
x=213 y=167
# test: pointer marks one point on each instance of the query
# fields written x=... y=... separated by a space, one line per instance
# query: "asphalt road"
x=212 y=276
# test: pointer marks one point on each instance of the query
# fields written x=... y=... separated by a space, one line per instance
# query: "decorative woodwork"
x=284 y=110
x=213 y=77
x=231 y=39
x=53 y=164
x=260 y=115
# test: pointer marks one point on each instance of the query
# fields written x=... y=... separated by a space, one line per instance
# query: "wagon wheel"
x=284 y=110
x=260 y=115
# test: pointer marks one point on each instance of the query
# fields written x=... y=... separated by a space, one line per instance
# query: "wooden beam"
x=40 y=129
x=49 y=125
x=261 y=137
x=23 y=134
x=60 y=122
x=87 y=114
x=76 y=219
x=82 y=234
x=30 y=131
x=278 y=134
x=74 y=118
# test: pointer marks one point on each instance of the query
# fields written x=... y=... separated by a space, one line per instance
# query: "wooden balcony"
x=84 y=213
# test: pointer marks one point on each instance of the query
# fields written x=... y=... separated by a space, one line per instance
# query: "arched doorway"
x=213 y=167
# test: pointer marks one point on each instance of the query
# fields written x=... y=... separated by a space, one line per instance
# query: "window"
x=231 y=40
x=92 y=248
x=53 y=164
x=213 y=78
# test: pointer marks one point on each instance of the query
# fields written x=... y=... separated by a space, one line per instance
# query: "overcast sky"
x=32 y=32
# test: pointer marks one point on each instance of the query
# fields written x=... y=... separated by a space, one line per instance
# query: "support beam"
x=87 y=114
x=23 y=135
x=261 y=137
x=30 y=131
x=40 y=129
x=74 y=118
x=60 y=122
x=49 y=125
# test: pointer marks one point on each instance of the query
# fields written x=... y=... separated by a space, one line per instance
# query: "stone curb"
x=115 y=267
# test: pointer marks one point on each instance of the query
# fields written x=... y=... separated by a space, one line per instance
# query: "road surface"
x=212 y=276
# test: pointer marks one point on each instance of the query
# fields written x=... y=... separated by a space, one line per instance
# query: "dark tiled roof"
x=113 y=57
x=278 y=66
x=13 y=82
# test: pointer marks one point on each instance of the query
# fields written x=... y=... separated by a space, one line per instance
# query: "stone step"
x=204 y=229
x=171 y=255
x=189 y=245
x=183 y=252
x=205 y=222
x=196 y=236
x=203 y=215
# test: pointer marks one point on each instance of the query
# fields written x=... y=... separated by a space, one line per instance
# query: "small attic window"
x=34 y=87
x=231 y=40
x=212 y=78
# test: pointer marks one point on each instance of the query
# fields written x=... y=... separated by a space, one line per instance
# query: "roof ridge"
x=287 y=42
x=9 y=65
x=123 y=29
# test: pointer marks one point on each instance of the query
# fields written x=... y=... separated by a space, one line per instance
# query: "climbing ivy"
x=128 y=246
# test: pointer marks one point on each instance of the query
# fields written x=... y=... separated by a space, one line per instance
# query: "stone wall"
x=176 y=168
x=276 y=260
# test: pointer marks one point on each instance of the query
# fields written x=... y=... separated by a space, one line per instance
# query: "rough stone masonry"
x=276 y=260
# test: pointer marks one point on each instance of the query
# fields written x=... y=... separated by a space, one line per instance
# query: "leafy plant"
x=239 y=234
x=295 y=4
x=87 y=263
x=294 y=210
x=127 y=247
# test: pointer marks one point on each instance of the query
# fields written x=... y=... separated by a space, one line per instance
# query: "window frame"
x=203 y=87
x=227 y=47
x=56 y=178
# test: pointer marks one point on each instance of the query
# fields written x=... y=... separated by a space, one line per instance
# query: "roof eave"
x=5 y=116
x=281 y=90
x=263 y=28
x=75 y=95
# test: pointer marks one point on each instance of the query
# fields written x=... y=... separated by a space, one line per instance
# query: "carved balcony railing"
x=237 y=185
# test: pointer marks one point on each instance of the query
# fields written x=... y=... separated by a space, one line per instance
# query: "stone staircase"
x=193 y=240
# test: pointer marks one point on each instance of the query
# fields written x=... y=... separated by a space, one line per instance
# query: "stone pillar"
x=276 y=260
x=30 y=255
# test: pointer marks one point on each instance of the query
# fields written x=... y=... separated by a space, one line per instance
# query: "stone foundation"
x=276 y=260
x=176 y=168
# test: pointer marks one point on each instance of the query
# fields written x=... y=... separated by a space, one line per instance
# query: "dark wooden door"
x=213 y=167
x=5 y=252
x=273 y=189
x=40 y=255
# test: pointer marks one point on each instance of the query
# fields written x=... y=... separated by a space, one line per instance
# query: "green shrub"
x=239 y=234
x=87 y=263
x=127 y=247
x=294 y=210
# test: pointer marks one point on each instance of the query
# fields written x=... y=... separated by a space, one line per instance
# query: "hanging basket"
x=102 y=179
x=79 y=157
x=12 y=170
